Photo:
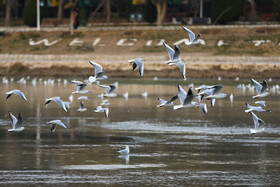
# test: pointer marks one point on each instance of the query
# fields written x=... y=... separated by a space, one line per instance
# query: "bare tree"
x=71 y=5
x=161 y=6
x=253 y=14
x=60 y=12
x=107 y=10
x=8 y=13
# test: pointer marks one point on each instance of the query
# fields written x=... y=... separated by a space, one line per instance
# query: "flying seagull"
x=58 y=101
x=138 y=62
x=80 y=87
x=173 y=54
x=17 y=92
x=193 y=40
x=213 y=93
x=109 y=90
x=98 y=73
x=257 y=122
x=54 y=123
x=261 y=88
x=164 y=103
x=100 y=109
x=124 y=151
x=186 y=100
x=16 y=123
x=255 y=108
x=82 y=107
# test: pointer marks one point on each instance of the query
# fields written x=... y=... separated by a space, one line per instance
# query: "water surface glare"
x=167 y=147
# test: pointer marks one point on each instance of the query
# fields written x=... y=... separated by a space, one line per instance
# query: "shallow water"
x=184 y=147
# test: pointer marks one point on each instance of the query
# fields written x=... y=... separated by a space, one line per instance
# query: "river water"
x=167 y=147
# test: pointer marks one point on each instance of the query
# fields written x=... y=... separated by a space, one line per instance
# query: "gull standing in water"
x=261 y=88
x=186 y=100
x=255 y=108
x=17 y=92
x=54 y=123
x=16 y=123
x=164 y=103
x=80 y=87
x=193 y=40
x=175 y=60
x=124 y=151
x=109 y=90
x=100 y=109
x=257 y=122
x=58 y=101
x=138 y=62
x=98 y=73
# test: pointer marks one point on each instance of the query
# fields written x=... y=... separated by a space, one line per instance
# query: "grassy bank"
x=239 y=42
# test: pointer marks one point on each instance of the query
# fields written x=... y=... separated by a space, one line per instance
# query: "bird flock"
x=186 y=99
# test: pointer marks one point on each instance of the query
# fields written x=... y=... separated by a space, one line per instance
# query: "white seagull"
x=58 y=101
x=193 y=40
x=173 y=54
x=17 y=92
x=138 y=62
x=164 y=103
x=80 y=87
x=98 y=73
x=261 y=88
x=257 y=122
x=186 y=100
x=16 y=123
x=82 y=107
x=213 y=93
x=109 y=90
x=54 y=123
x=124 y=151
x=255 y=108
x=100 y=109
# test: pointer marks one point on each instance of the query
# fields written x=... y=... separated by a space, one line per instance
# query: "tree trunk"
x=72 y=21
x=60 y=12
x=8 y=14
x=161 y=6
x=253 y=16
x=108 y=11
x=92 y=15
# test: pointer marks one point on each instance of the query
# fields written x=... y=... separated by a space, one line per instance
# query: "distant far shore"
x=226 y=51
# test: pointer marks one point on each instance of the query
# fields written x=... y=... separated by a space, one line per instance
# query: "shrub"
x=30 y=13
x=232 y=14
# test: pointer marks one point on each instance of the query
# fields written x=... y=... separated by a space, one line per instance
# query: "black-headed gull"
x=16 y=123
x=164 y=103
x=213 y=93
x=257 y=122
x=100 y=109
x=17 y=92
x=98 y=73
x=54 y=123
x=186 y=100
x=255 y=108
x=124 y=151
x=58 y=101
x=193 y=40
x=82 y=107
x=109 y=90
x=173 y=54
x=261 y=88
x=138 y=62
x=80 y=87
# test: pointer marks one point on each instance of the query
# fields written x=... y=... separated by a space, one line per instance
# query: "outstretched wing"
x=170 y=51
x=257 y=85
x=97 y=67
x=190 y=33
